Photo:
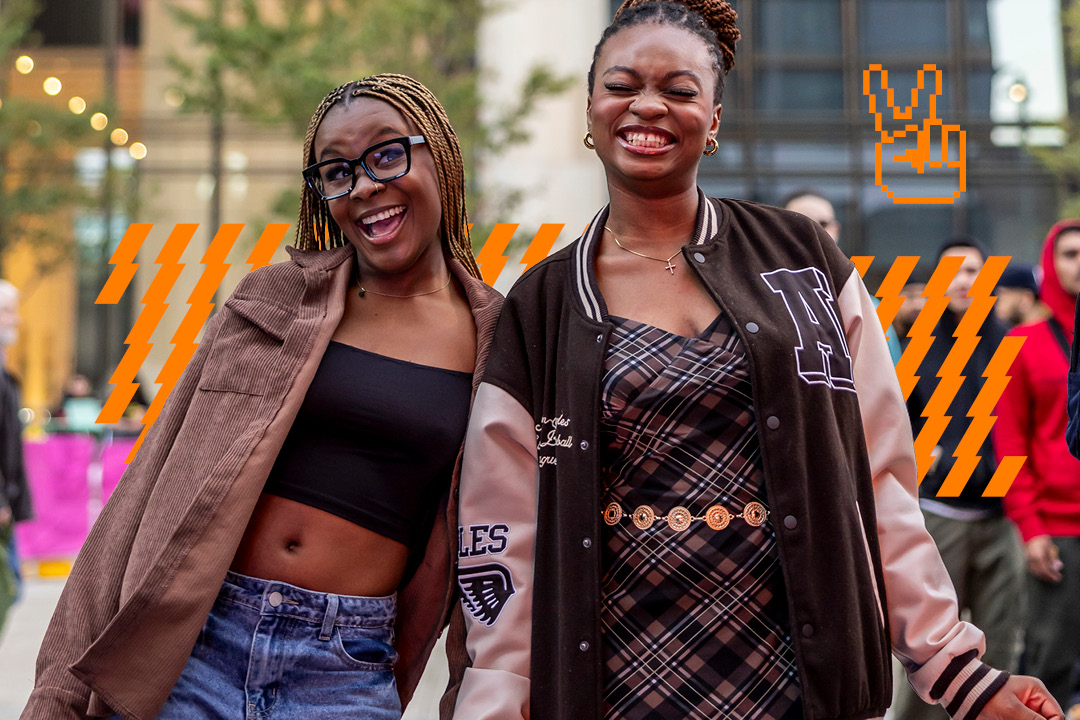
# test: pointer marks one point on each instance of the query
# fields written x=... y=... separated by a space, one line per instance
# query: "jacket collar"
x=320 y=259
x=706 y=227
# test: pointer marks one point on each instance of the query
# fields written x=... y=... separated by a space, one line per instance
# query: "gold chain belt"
x=679 y=518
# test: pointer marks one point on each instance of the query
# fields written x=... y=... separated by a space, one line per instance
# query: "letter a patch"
x=821 y=356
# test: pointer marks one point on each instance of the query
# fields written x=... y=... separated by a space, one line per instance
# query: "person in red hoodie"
x=1044 y=501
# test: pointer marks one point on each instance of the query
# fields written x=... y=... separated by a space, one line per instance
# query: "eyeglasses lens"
x=335 y=179
x=388 y=161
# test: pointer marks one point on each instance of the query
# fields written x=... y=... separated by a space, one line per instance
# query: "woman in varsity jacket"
x=689 y=483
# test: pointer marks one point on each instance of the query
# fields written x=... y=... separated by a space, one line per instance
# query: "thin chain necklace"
x=426 y=292
x=670 y=267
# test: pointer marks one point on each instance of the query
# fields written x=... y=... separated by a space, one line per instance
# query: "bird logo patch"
x=485 y=590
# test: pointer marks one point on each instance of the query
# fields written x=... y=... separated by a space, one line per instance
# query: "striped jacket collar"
x=706 y=227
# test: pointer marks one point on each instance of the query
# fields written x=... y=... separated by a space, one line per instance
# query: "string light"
x=174 y=97
x=137 y=150
x=52 y=86
x=119 y=136
x=77 y=105
x=99 y=121
x=24 y=64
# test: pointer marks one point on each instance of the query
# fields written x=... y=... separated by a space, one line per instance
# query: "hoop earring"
x=589 y=141
x=711 y=147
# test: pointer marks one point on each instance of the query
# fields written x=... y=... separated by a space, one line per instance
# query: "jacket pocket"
x=248 y=347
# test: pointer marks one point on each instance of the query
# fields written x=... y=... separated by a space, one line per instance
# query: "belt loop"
x=328 y=619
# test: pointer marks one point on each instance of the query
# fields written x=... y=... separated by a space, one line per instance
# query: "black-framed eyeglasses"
x=382 y=162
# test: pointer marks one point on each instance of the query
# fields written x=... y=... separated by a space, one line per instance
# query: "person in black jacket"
x=688 y=486
x=979 y=545
x=14 y=492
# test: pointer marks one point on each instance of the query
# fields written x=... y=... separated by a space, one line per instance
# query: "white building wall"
x=560 y=181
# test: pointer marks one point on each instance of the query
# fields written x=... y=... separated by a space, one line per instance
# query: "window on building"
x=81 y=22
x=800 y=27
x=790 y=89
x=902 y=29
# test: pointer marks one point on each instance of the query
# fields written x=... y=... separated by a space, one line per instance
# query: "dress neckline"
x=409 y=363
x=703 y=335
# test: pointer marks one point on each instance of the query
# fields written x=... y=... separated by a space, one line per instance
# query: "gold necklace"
x=426 y=292
x=670 y=267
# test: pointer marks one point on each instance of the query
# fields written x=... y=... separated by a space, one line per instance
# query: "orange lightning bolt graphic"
x=199 y=307
x=267 y=245
x=138 y=339
x=920 y=338
x=124 y=260
x=492 y=257
x=541 y=244
x=967 y=339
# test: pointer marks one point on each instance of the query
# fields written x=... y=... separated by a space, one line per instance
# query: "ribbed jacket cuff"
x=967 y=685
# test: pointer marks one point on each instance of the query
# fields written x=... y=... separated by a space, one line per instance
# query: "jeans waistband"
x=326 y=609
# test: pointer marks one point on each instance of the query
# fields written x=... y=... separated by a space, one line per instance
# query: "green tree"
x=37 y=144
x=272 y=62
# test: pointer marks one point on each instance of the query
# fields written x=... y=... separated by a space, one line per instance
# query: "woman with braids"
x=693 y=450
x=287 y=529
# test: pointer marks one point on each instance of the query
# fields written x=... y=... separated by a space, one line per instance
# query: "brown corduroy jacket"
x=150 y=570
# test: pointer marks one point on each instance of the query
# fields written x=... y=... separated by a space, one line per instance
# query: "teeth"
x=371 y=220
x=648 y=140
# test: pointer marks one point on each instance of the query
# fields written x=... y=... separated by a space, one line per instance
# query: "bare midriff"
x=313 y=549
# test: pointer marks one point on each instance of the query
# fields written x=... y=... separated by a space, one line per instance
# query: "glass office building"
x=796 y=116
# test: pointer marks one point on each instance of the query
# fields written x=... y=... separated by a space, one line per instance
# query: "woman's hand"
x=1022 y=698
x=1042 y=559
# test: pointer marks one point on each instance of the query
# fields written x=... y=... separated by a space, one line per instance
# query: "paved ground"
x=26 y=626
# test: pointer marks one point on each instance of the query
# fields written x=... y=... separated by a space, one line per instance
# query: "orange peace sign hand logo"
x=933 y=147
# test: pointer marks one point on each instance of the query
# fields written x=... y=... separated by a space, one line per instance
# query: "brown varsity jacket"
x=150 y=570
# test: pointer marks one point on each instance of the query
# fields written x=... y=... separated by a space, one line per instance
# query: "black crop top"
x=375 y=442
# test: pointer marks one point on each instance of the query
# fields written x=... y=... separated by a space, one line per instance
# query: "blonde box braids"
x=316 y=229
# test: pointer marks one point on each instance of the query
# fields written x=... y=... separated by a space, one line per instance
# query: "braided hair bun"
x=711 y=20
x=718 y=15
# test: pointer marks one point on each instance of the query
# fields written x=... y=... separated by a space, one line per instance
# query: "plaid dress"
x=695 y=620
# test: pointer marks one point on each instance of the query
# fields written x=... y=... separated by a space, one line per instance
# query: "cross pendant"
x=670 y=267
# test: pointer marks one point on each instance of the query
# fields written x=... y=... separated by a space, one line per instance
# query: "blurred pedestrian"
x=978 y=543
x=14 y=492
x=1044 y=500
x=818 y=208
x=1018 y=295
x=914 y=302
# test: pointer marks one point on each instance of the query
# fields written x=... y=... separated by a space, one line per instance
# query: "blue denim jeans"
x=273 y=650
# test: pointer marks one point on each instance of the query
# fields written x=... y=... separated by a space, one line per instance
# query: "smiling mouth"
x=651 y=139
x=383 y=223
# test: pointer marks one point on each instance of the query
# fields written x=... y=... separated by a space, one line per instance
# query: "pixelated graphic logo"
x=933 y=138
x=492 y=259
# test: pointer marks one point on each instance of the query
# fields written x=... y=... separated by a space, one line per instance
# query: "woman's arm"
x=91 y=596
x=939 y=652
x=497 y=518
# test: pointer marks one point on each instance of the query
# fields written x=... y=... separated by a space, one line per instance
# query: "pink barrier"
x=114 y=463
x=56 y=470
